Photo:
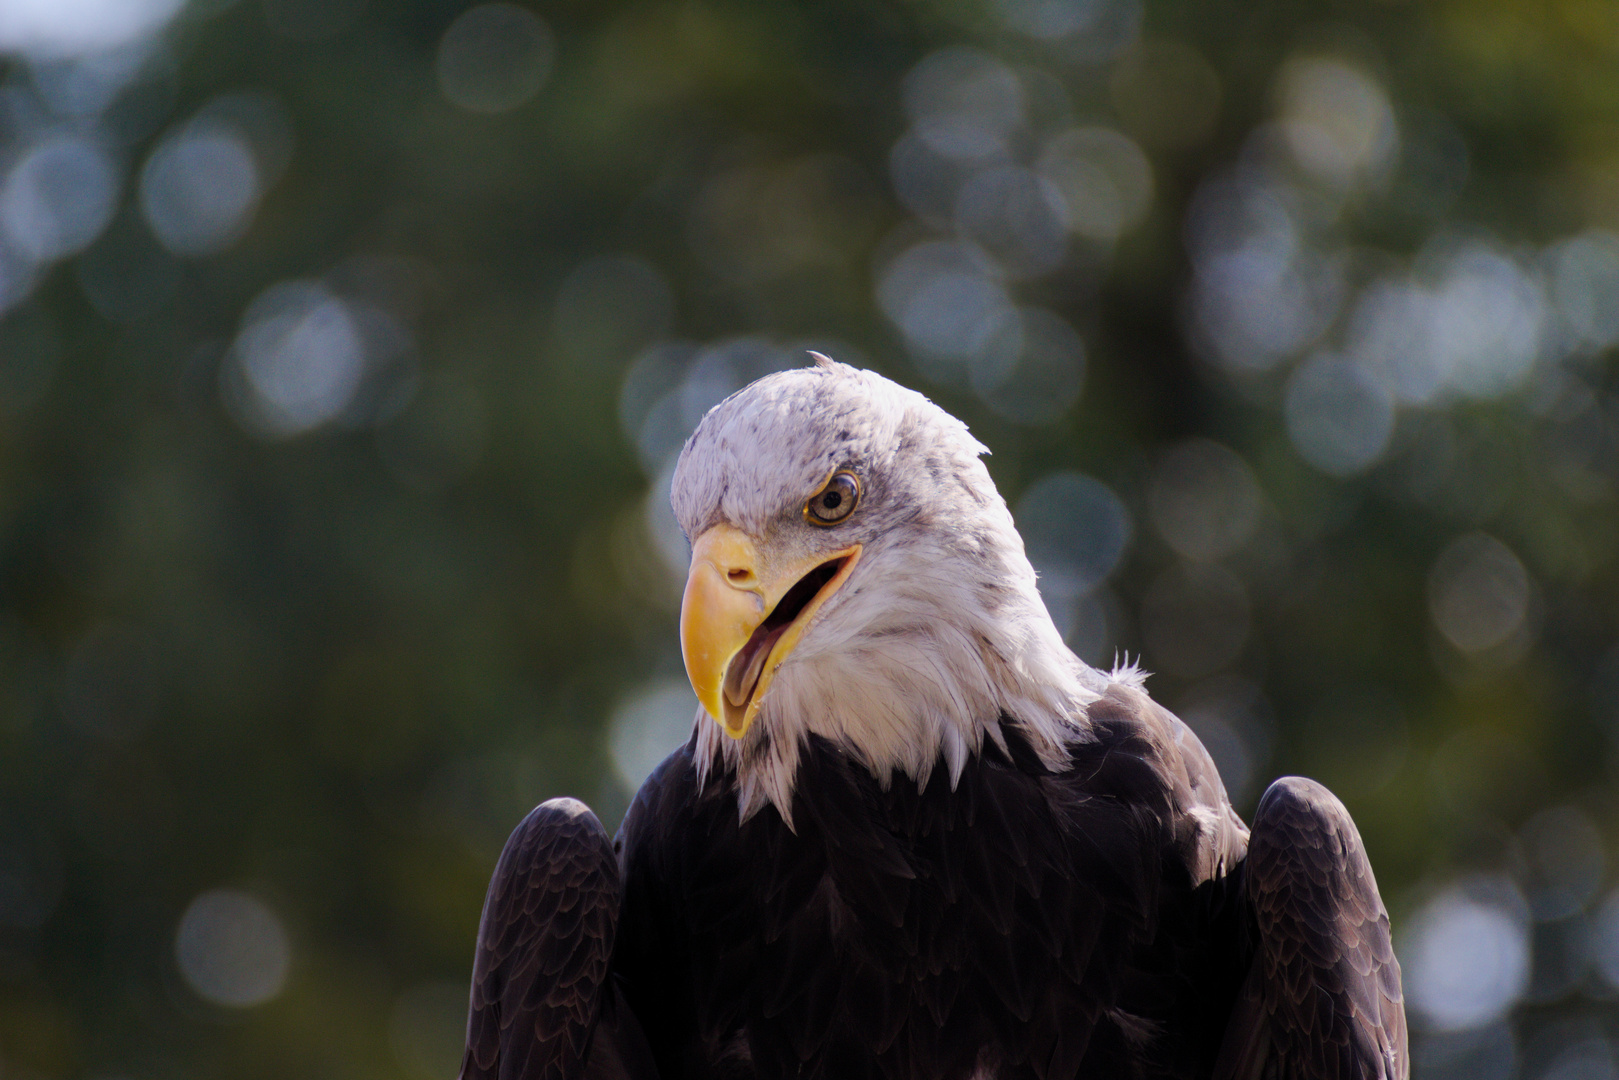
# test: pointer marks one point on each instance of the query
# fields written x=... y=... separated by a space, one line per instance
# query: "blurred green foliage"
x=330 y=449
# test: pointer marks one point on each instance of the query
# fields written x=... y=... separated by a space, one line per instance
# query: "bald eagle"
x=912 y=836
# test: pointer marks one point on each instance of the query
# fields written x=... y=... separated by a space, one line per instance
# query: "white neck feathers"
x=916 y=662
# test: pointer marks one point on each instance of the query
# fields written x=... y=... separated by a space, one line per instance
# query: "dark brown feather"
x=1322 y=999
x=1025 y=923
x=543 y=1004
x=1106 y=919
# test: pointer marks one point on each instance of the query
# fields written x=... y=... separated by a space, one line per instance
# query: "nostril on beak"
x=739 y=576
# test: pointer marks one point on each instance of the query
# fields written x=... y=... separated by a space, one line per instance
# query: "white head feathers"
x=939 y=632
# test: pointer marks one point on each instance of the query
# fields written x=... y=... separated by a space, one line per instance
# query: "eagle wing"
x=544 y=1005
x=1322 y=999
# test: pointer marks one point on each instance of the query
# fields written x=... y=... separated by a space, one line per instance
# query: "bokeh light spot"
x=926 y=180
x=648 y=726
x=1017 y=215
x=948 y=301
x=1391 y=332
x=1075 y=530
x=1337 y=120
x=1478 y=592
x=1104 y=179
x=84 y=86
x=232 y=949
x=1473 y=325
x=58 y=197
x=671 y=385
x=199 y=188
x=1338 y=418
x=964 y=103
x=55 y=28
x=1260 y=291
x=298 y=359
x=1466 y=955
x=1564 y=862
x=1585 y=286
x=1489 y=317
x=1032 y=369
x=494 y=57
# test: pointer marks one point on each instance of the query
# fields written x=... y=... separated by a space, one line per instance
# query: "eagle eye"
x=835 y=501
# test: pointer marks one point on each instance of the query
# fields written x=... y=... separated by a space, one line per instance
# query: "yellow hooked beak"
x=741 y=616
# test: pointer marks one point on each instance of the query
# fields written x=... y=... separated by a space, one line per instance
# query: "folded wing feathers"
x=1325 y=972
x=544 y=946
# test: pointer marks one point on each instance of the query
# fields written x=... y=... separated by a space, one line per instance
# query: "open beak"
x=741 y=617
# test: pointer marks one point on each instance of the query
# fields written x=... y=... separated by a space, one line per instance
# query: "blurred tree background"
x=344 y=346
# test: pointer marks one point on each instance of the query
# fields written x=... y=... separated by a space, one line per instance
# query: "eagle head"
x=856 y=575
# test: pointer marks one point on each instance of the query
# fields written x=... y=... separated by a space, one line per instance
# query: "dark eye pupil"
x=833 y=503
